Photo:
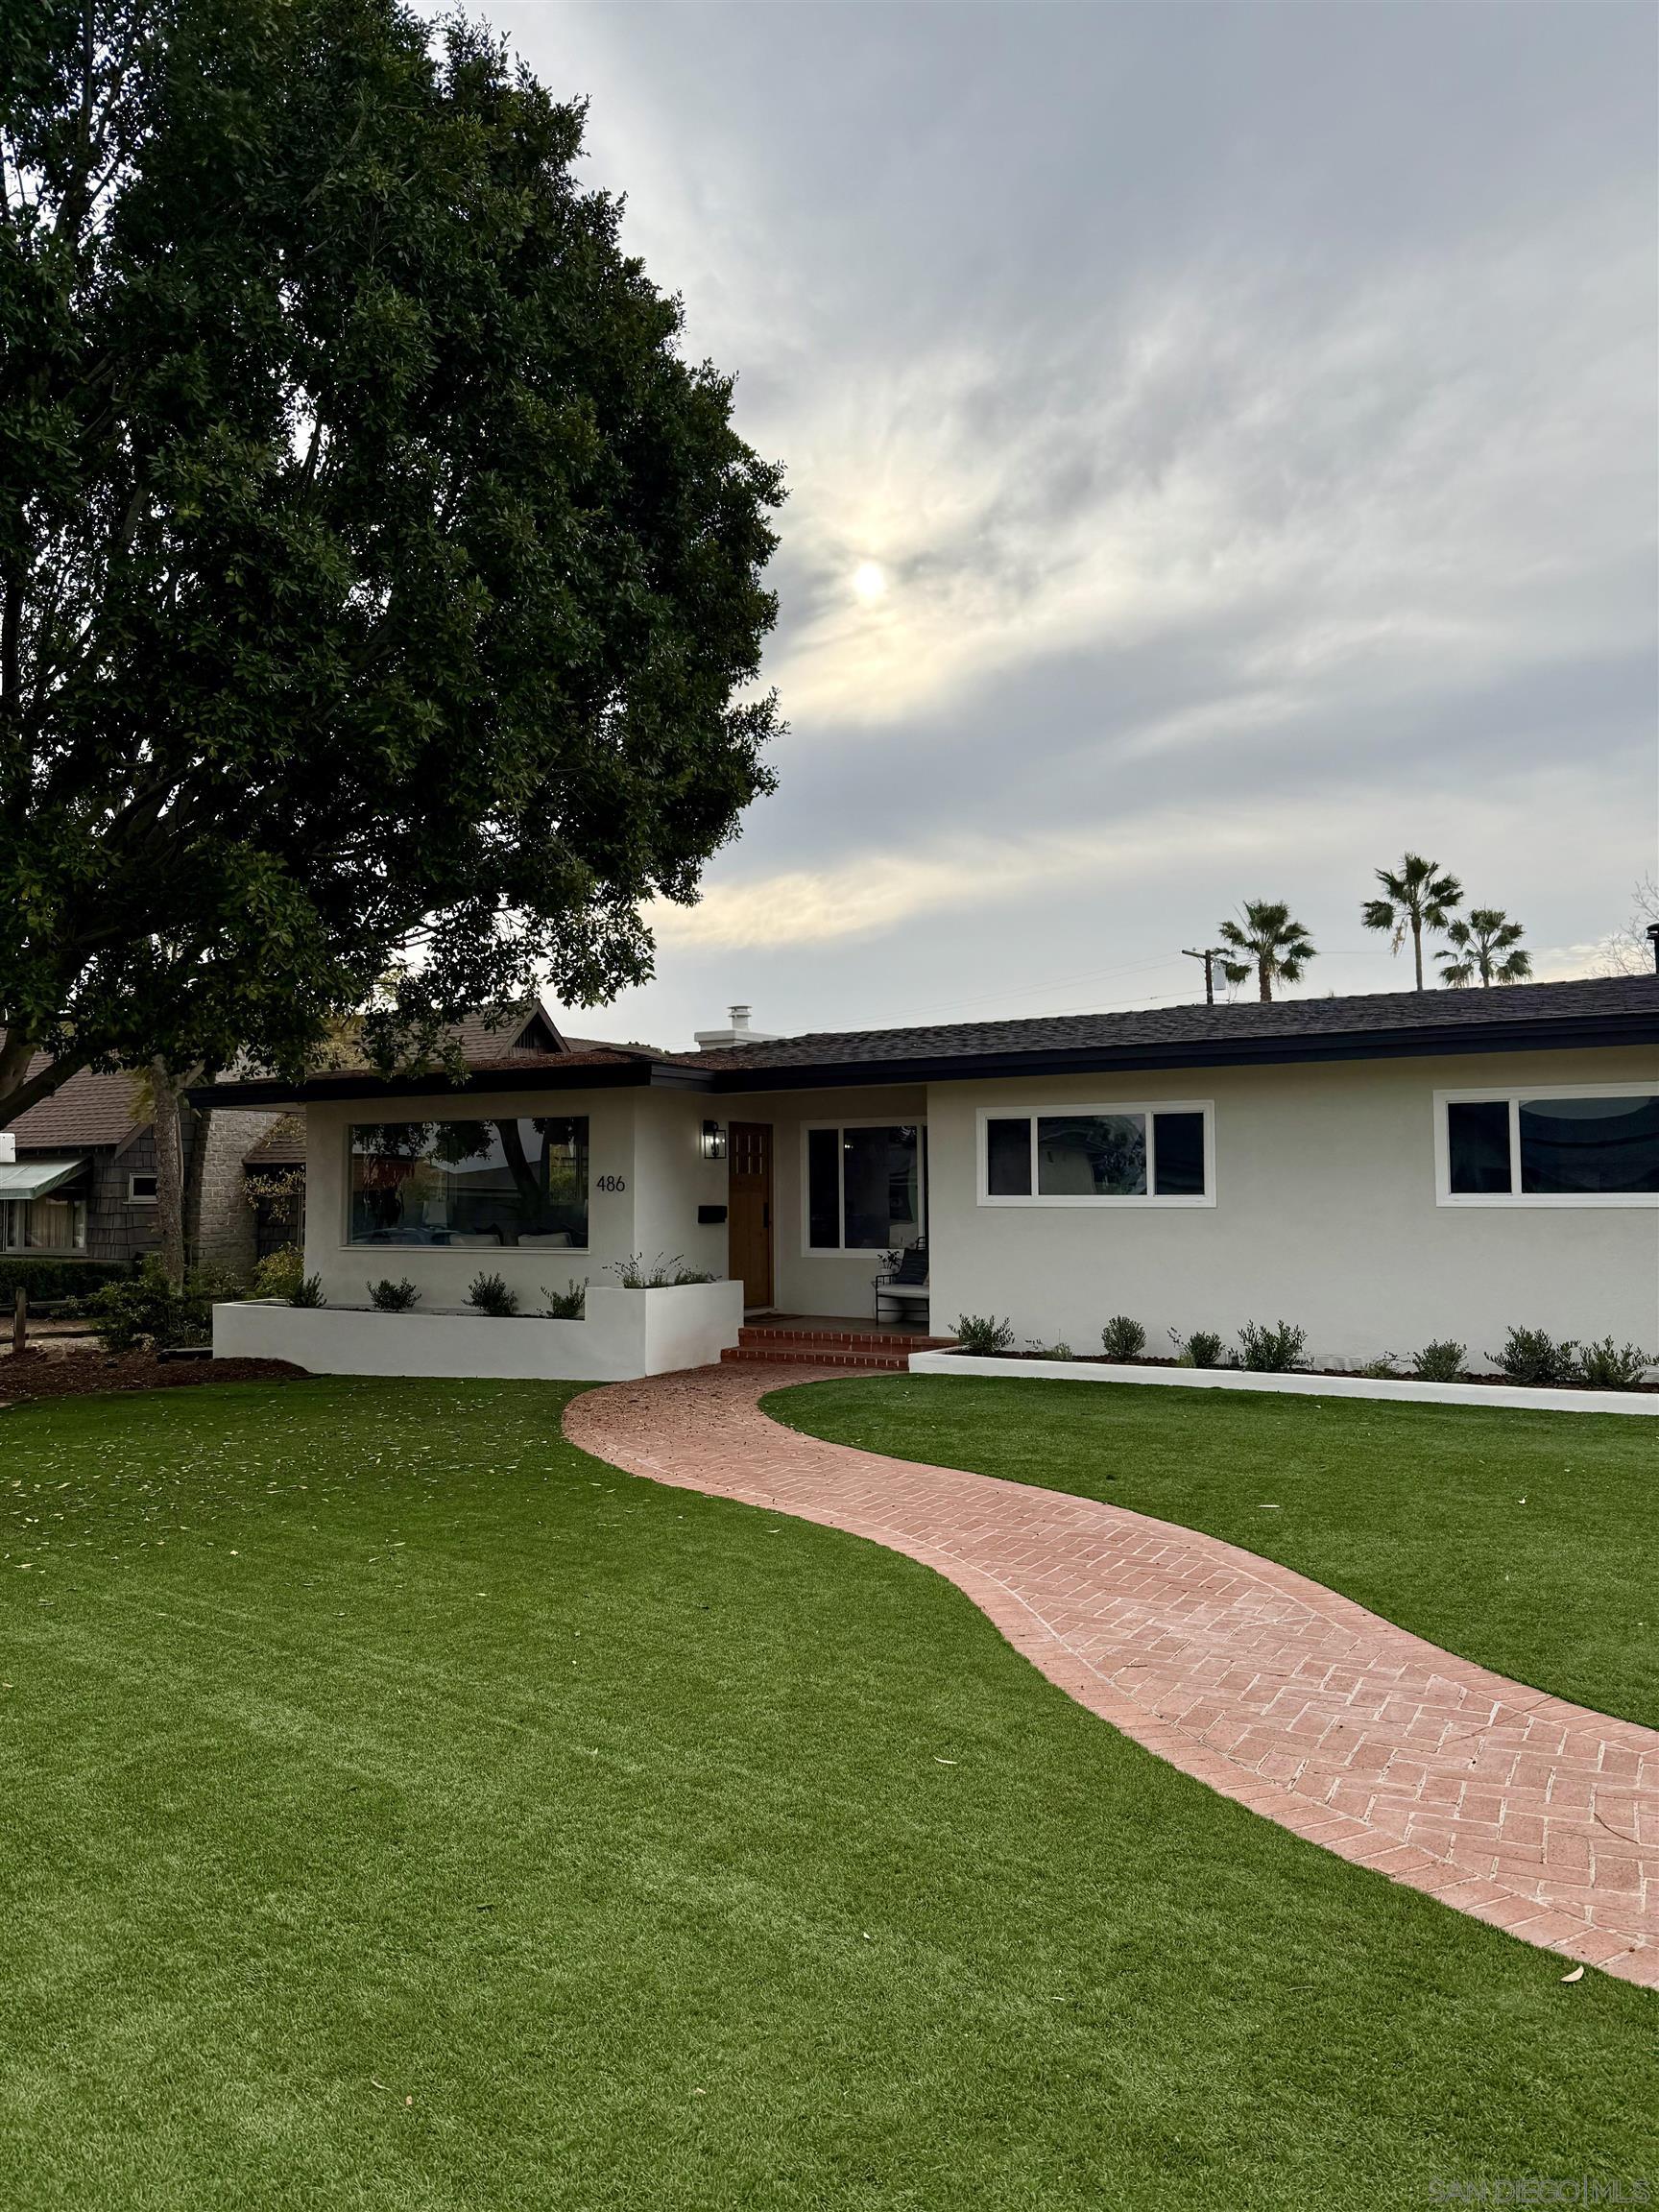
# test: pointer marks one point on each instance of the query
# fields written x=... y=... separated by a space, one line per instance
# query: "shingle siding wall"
x=114 y=1229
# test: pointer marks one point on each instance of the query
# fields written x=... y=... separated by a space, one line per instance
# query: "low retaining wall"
x=626 y=1334
x=1294 y=1386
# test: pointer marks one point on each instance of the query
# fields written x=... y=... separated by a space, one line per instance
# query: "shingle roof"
x=1373 y=1015
x=88 y=1109
x=1610 y=1010
x=283 y=1145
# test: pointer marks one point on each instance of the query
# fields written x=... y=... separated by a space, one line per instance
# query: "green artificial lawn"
x=1528 y=1542
x=404 y=1810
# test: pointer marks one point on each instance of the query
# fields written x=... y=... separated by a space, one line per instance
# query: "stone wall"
x=225 y=1237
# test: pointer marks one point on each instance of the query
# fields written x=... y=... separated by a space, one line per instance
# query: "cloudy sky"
x=1221 y=449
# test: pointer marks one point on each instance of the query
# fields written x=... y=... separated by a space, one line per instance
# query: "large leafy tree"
x=380 y=588
x=1485 y=947
x=1266 y=939
x=1416 y=896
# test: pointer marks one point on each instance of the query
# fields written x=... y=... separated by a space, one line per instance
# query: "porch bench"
x=906 y=1285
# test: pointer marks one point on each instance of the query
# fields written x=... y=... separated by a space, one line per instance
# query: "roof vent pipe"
x=1651 y=933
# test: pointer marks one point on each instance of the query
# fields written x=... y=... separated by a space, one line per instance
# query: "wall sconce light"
x=713 y=1141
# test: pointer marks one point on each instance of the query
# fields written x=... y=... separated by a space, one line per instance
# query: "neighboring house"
x=1383 y=1169
x=81 y=1186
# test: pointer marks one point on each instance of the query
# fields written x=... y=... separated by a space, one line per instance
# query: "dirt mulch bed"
x=40 y=1375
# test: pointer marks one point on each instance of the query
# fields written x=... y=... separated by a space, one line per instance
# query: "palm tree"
x=1271 y=943
x=1419 y=898
x=1484 y=950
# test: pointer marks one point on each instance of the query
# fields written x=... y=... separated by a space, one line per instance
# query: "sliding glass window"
x=1595 y=1147
x=481 y=1184
x=1097 y=1155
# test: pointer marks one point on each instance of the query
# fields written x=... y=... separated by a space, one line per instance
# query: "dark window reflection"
x=1178 y=1155
x=1008 y=1159
x=1589 y=1146
x=1478 y=1141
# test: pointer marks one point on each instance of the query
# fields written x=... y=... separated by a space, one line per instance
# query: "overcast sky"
x=1223 y=451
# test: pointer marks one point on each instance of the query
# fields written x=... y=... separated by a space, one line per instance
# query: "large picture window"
x=866 y=1186
x=1595 y=1145
x=1097 y=1155
x=470 y=1183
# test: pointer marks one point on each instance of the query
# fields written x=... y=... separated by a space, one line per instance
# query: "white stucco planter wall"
x=1489 y=1394
x=626 y=1334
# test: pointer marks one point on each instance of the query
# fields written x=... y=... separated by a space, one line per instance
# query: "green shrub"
x=1442 y=1361
x=1383 y=1370
x=567 y=1305
x=144 y=1310
x=1037 y=1350
x=48 y=1280
x=1204 y=1348
x=388 y=1297
x=308 y=1291
x=1123 y=1338
x=1608 y=1367
x=1533 y=1357
x=1270 y=1350
x=491 y=1295
x=279 y=1273
x=682 y=1275
x=632 y=1274
x=983 y=1335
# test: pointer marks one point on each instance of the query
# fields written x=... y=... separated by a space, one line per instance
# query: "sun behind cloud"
x=869 y=583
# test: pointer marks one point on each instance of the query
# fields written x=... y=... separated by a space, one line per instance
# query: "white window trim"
x=861 y=1252
x=143 y=1198
x=1511 y=1095
x=1045 y=1107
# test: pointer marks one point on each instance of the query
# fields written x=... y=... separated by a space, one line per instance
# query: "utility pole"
x=1215 y=952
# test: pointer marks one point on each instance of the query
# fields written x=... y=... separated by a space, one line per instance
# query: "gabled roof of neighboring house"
x=90 y=1109
x=1385 y=1024
x=283 y=1145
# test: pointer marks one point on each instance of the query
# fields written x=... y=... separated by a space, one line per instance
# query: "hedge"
x=49 y=1279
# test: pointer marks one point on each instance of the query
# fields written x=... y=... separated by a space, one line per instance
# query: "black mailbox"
x=706 y=1215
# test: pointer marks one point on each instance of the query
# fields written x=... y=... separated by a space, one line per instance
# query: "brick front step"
x=805 y=1354
x=834 y=1340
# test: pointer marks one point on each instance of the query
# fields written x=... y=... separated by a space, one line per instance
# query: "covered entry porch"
x=828 y=1199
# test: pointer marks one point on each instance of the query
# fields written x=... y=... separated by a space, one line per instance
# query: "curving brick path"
x=1518 y=1808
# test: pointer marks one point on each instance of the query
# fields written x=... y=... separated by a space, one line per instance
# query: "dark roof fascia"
x=1562 y=1034
x=632 y=1074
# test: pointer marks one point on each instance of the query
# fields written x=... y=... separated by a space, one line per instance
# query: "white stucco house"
x=1383 y=1169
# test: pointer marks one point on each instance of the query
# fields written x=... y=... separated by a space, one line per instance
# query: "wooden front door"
x=749 y=1196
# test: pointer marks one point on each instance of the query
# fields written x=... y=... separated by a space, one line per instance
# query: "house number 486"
x=611 y=1182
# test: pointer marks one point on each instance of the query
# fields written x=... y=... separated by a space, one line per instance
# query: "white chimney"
x=738 y=1033
x=7 y=1146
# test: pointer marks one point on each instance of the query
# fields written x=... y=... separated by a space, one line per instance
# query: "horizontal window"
x=142 y=1190
x=470 y=1183
x=43 y=1225
x=866 y=1186
x=1596 y=1146
x=1097 y=1154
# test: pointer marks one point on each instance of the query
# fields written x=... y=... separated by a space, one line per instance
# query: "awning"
x=33 y=1178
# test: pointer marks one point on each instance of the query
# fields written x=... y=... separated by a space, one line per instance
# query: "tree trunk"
x=168 y=1126
x=1417 y=948
x=199 y=1126
x=1264 y=976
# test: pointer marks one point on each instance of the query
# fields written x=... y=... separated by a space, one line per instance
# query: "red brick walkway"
x=1526 y=1812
